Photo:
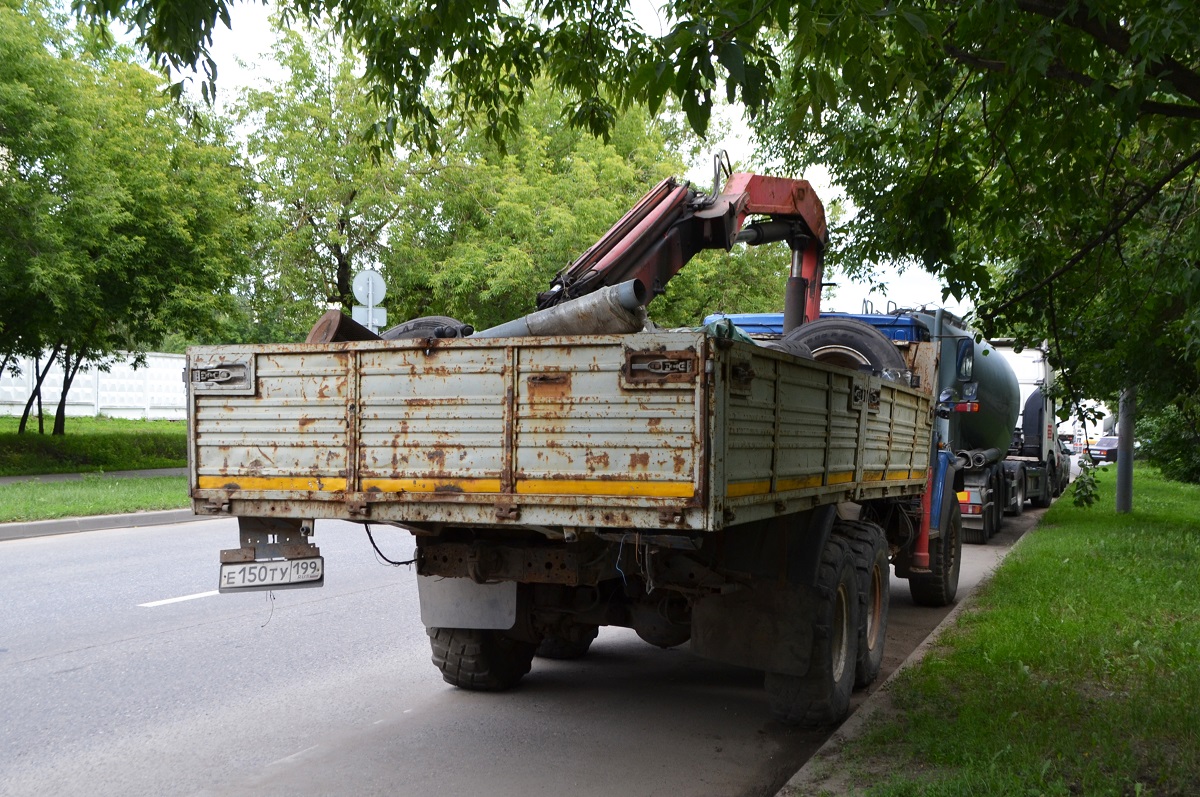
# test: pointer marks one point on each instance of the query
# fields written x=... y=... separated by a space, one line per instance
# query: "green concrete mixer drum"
x=998 y=393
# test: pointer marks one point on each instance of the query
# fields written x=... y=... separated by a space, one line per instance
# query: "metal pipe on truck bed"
x=610 y=310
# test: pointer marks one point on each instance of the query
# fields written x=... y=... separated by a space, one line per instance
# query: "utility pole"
x=1126 y=417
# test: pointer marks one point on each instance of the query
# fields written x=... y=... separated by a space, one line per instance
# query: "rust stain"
x=437 y=457
x=595 y=461
x=639 y=460
x=653 y=422
x=448 y=488
x=323 y=393
x=307 y=421
x=374 y=489
x=550 y=386
x=680 y=463
x=231 y=486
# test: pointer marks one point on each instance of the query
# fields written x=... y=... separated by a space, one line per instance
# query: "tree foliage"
x=486 y=227
x=1040 y=156
x=122 y=221
x=474 y=231
x=325 y=199
x=1170 y=439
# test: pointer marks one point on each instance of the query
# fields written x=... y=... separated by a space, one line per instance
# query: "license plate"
x=273 y=574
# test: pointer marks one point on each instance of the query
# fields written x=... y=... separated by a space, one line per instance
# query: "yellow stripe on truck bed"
x=650 y=489
x=308 y=484
x=430 y=485
x=589 y=487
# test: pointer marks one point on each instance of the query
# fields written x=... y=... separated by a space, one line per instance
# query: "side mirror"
x=945 y=401
x=965 y=360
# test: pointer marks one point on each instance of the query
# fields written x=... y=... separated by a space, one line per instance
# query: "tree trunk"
x=70 y=369
x=36 y=395
x=1126 y=417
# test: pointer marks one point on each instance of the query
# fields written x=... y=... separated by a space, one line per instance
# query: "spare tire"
x=793 y=347
x=424 y=327
x=849 y=343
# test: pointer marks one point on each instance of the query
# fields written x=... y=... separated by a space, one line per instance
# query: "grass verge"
x=1076 y=674
x=93 y=495
x=91 y=445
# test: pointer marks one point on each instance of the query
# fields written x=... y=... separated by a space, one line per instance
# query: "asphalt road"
x=110 y=685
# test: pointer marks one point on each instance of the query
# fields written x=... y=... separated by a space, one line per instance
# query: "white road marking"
x=293 y=756
x=152 y=604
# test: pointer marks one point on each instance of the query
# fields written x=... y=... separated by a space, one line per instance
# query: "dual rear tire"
x=822 y=696
x=478 y=659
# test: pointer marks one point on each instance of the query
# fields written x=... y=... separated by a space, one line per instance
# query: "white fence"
x=156 y=390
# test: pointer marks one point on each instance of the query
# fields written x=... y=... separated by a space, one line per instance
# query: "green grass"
x=1079 y=672
x=92 y=445
x=93 y=495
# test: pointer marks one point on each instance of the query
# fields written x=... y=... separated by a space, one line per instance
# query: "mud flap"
x=463 y=603
x=766 y=627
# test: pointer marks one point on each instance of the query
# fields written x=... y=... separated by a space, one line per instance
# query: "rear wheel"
x=939 y=586
x=1018 y=506
x=869 y=545
x=822 y=696
x=573 y=646
x=479 y=659
x=1045 y=499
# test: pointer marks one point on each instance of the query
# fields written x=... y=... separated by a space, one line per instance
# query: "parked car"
x=1104 y=450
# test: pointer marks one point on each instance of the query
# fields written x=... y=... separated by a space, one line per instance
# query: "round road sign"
x=368 y=287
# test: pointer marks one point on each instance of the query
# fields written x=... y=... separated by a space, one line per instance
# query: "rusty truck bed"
x=665 y=430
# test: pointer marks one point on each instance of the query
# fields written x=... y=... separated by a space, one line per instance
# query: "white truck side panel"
x=666 y=430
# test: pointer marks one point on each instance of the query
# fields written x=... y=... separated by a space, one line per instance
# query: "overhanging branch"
x=1104 y=235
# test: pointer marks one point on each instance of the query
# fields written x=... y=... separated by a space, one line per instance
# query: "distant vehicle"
x=1104 y=450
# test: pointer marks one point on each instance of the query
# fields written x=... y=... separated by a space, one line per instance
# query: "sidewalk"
x=43 y=528
x=116 y=474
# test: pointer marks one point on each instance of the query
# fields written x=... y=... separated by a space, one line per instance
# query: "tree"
x=1040 y=140
x=325 y=199
x=125 y=221
x=1040 y=157
x=485 y=228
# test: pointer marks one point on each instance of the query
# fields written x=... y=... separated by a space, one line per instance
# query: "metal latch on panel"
x=659 y=369
x=741 y=376
x=224 y=376
x=858 y=395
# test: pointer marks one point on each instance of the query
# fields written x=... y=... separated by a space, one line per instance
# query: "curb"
x=45 y=528
x=814 y=777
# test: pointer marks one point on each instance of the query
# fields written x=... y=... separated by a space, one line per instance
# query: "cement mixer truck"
x=580 y=467
x=1004 y=442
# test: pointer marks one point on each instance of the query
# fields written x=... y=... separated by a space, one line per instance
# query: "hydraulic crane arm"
x=673 y=222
